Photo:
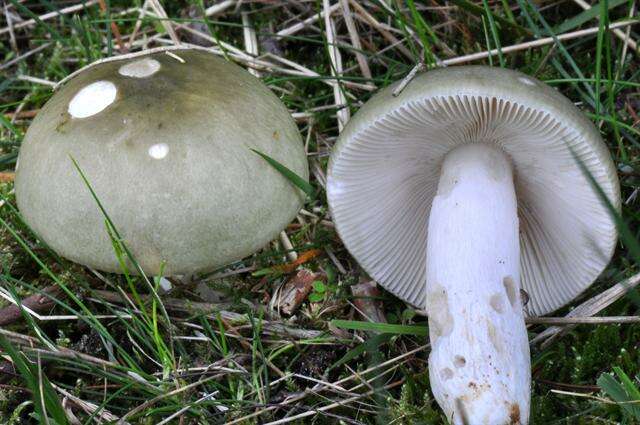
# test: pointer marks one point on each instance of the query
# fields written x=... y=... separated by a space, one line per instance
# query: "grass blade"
x=585 y=16
x=625 y=233
x=295 y=179
x=620 y=392
x=474 y=9
x=494 y=32
x=370 y=345
x=388 y=328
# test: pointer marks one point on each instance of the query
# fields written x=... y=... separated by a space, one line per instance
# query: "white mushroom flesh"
x=479 y=364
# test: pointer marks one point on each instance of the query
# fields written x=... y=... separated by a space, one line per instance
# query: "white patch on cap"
x=527 y=81
x=92 y=99
x=142 y=68
x=165 y=284
x=159 y=151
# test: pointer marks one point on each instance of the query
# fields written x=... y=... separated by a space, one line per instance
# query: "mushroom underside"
x=567 y=236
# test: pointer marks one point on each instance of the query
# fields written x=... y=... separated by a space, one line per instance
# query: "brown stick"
x=296 y=290
x=21 y=114
x=588 y=308
x=302 y=258
x=114 y=28
x=29 y=344
x=37 y=302
x=362 y=13
x=7 y=177
x=7 y=372
x=274 y=328
x=178 y=305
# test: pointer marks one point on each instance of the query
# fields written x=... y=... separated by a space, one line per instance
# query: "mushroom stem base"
x=479 y=365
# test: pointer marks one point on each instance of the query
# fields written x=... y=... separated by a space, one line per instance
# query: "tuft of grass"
x=625 y=392
x=46 y=404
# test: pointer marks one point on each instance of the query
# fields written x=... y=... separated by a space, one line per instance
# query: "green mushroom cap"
x=165 y=140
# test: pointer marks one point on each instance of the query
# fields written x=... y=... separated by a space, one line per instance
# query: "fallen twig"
x=588 y=308
x=37 y=302
x=234 y=318
x=344 y=402
x=302 y=258
x=47 y=16
x=24 y=56
x=295 y=291
x=21 y=114
x=335 y=59
x=355 y=40
x=321 y=387
x=621 y=35
x=114 y=28
x=30 y=344
x=87 y=407
x=302 y=25
x=534 y=43
x=597 y=320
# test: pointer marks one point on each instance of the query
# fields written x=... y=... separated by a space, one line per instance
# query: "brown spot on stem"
x=446 y=374
x=459 y=361
x=496 y=303
x=494 y=337
x=510 y=288
x=514 y=414
x=461 y=411
x=440 y=318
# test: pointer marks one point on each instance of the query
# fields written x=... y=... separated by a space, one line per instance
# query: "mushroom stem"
x=479 y=364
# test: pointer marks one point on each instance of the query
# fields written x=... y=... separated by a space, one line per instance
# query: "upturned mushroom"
x=457 y=193
x=164 y=138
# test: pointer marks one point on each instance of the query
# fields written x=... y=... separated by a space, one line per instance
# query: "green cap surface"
x=165 y=140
